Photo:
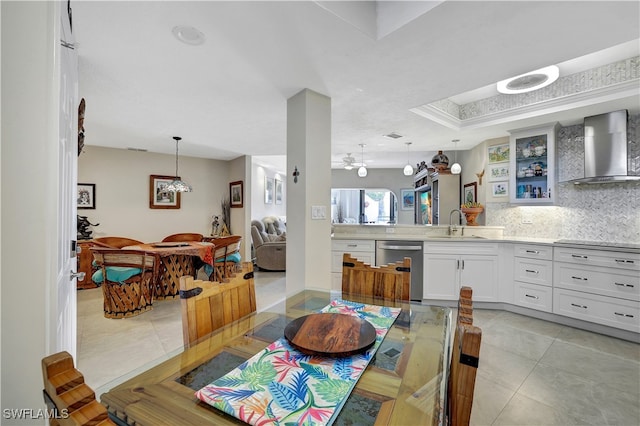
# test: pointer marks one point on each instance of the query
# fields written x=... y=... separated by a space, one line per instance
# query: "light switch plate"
x=318 y=212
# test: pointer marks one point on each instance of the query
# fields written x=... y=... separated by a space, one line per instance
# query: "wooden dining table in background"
x=175 y=259
x=404 y=384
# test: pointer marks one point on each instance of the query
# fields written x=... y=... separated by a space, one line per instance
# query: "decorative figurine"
x=84 y=233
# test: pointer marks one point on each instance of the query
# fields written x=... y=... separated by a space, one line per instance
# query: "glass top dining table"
x=405 y=383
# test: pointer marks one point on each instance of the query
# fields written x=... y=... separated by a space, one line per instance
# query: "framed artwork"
x=278 y=191
x=268 y=190
x=470 y=192
x=236 y=194
x=500 y=189
x=498 y=172
x=159 y=197
x=498 y=153
x=86 y=196
x=407 y=197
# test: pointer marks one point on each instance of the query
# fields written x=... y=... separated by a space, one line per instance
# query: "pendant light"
x=362 y=171
x=408 y=169
x=456 y=169
x=177 y=185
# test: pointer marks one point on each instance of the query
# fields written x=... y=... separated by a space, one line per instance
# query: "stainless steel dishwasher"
x=393 y=251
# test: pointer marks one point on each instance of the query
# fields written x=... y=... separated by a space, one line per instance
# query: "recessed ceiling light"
x=393 y=135
x=188 y=35
x=530 y=81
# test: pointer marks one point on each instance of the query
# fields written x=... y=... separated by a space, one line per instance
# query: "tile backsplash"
x=607 y=212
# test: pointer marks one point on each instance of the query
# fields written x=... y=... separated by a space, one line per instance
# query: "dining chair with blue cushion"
x=127 y=279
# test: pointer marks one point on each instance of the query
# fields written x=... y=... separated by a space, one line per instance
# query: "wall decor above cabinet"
x=532 y=165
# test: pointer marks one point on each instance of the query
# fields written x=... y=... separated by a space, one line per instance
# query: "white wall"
x=122 y=193
x=29 y=200
x=391 y=179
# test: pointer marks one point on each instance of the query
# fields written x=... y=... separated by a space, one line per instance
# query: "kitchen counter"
x=480 y=234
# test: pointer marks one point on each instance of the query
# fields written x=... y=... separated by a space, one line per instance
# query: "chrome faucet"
x=453 y=228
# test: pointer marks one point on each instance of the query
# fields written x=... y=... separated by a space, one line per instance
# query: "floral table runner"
x=282 y=386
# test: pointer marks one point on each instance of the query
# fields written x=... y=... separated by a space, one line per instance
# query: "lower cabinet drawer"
x=612 y=282
x=619 y=313
x=533 y=296
x=336 y=259
x=534 y=271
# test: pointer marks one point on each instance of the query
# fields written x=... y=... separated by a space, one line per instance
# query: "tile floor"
x=531 y=372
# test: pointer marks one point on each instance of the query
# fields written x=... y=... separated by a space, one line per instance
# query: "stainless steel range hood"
x=606 y=150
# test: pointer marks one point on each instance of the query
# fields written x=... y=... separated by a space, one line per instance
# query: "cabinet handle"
x=579 y=256
x=625 y=261
x=579 y=306
x=532 y=296
x=624 y=285
x=532 y=251
x=579 y=278
x=462 y=263
x=532 y=271
x=352 y=245
x=458 y=264
x=620 y=314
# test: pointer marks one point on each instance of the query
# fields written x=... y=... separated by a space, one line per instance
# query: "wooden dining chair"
x=207 y=306
x=465 y=356
x=185 y=236
x=226 y=257
x=127 y=279
x=66 y=393
x=374 y=284
x=117 y=242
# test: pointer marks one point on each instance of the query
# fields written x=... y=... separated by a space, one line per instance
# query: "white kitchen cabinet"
x=533 y=276
x=363 y=250
x=449 y=266
x=597 y=285
x=532 y=165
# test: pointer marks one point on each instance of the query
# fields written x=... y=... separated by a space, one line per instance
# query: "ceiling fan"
x=348 y=162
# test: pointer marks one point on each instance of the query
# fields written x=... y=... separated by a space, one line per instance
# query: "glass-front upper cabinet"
x=532 y=163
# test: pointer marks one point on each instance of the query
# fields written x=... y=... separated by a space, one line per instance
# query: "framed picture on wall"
x=407 y=199
x=268 y=190
x=278 y=191
x=159 y=197
x=86 y=196
x=236 y=194
x=498 y=153
x=498 y=171
x=500 y=189
x=471 y=192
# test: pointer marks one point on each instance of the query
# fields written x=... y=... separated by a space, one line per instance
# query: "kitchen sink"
x=456 y=237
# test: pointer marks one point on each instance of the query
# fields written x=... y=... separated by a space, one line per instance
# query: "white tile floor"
x=531 y=372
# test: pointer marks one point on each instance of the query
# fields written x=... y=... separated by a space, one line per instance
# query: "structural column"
x=308 y=192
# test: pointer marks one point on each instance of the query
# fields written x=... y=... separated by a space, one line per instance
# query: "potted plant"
x=471 y=212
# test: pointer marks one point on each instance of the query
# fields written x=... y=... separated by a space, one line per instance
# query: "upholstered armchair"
x=270 y=250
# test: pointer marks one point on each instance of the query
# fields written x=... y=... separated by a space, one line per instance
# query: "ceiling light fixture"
x=408 y=170
x=188 y=35
x=456 y=169
x=177 y=185
x=530 y=81
x=362 y=171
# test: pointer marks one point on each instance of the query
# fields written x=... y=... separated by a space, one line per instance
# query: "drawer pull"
x=579 y=256
x=579 y=306
x=532 y=271
x=532 y=251
x=579 y=278
x=624 y=285
x=352 y=245
x=623 y=315
x=532 y=296
x=625 y=261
